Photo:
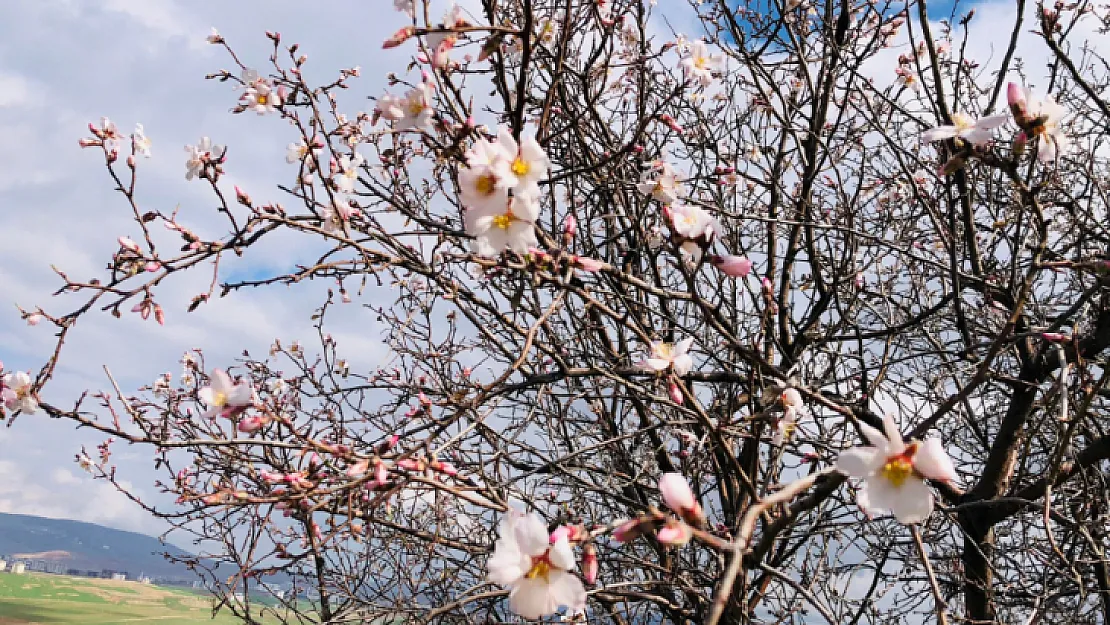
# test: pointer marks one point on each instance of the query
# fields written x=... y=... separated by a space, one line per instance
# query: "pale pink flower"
x=698 y=65
x=894 y=472
x=222 y=396
x=538 y=573
x=18 y=394
x=661 y=183
x=674 y=356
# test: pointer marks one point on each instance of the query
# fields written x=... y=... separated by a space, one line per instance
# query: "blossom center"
x=540 y=568
x=520 y=167
x=486 y=184
x=665 y=351
x=219 y=399
x=897 y=470
x=263 y=99
x=503 y=221
x=701 y=62
x=416 y=108
x=962 y=122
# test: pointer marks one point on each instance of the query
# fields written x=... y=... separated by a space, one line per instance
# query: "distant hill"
x=86 y=546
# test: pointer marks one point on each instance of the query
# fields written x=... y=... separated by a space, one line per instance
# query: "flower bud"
x=159 y=315
x=675 y=533
x=398 y=37
x=589 y=563
x=675 y=393
x=242 y=196
x=735 y=266
x=1015 y=96
x=628 y=531
x=570 y=228
x=679 y=497
x=128 y=244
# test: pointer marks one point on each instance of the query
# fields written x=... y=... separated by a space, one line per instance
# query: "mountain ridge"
x=89 y=547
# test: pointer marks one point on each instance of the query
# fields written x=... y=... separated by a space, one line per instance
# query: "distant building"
x=119 y=577
x=19 y=568
x=3 y=565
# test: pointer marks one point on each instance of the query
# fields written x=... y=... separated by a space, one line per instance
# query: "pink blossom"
x=674 y=533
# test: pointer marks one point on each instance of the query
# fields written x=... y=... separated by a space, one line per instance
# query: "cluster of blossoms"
x=204 y=160
x=106 y=135
x=1039 y=121
x=259 y=94
x=500 y=193
x=17 y=394
x=412 y=112
x=698 y=65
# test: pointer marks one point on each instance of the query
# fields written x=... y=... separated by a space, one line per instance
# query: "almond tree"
x=674 y=323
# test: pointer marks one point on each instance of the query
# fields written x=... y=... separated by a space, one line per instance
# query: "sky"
x=65 y=63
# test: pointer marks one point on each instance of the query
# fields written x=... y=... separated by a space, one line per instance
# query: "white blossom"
x=977 y=132
x=675 y=356
x=698 y=65
x=894 y=472
x=17 y=393
x=538 y=572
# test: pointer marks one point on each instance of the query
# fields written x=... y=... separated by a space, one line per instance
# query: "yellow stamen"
x=897 y=470
x=486 y=184
x=540 y=568
x=503 y=221
x=262 y=99
x=520 y=167
x=219 y=399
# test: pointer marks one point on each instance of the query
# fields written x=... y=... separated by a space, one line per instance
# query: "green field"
x=61 y=600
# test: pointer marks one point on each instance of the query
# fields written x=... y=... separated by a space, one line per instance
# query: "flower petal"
x=531 y=535
x=858 y=461
x=938 y=134
x=561 y=555
x=932 y=461
x=682 y=364
x=893 y=435
x=912 y=502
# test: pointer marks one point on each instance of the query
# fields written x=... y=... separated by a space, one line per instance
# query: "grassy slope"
x=61 y=600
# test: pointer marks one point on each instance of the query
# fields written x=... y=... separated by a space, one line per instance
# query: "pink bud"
x=159 y=315
x=445 y=468
x=1054 y=336
x=381 y=473
x=676 y=492
x=88 y=143
x=358 y=469
x=409 y=464
x=247 y=425
x=153 y=266
x=675 y=533
x=589 y=563
x=128 y=244
x=570 y=227
x=398 y=37
x=589 y=264
x=735 y=266
x=242 y=196
x=628 y=531
x=1015 y=96
x=675 y=393
x=131 y=161
x=33 y=320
